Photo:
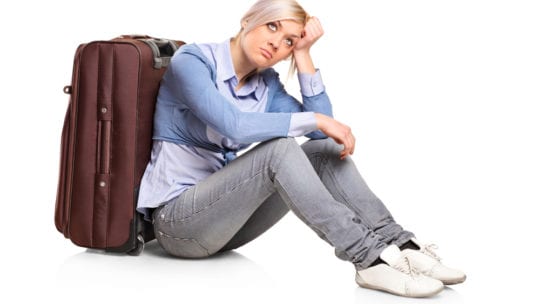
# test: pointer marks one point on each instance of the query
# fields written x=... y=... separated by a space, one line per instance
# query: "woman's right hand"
x=339 y=132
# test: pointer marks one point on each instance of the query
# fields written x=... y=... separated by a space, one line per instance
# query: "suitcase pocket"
x=61 y=208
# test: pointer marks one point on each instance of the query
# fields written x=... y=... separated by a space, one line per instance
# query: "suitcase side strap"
x=102 y=187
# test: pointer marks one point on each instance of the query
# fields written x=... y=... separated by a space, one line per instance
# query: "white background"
x=443 y=99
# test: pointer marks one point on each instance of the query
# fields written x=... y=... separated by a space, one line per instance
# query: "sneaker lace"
x=404 y=265
x=430 y=251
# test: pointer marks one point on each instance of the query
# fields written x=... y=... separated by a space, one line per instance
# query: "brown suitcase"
x=107 y=139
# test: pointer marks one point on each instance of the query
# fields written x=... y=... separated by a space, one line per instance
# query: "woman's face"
x=268 y=44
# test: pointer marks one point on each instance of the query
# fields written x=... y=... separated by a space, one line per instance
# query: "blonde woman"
x=219 y=98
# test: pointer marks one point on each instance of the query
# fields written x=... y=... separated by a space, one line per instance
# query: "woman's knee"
x=282 y=147
x=325 y=146
x=283 y=142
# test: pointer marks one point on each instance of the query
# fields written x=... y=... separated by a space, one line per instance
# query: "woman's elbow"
x=235 y=133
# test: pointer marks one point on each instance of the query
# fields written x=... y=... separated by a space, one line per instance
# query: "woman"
x=217 y=99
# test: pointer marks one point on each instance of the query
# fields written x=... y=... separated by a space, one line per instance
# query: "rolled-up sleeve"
x=302 y=123
x=311 y=84
x=314 y=100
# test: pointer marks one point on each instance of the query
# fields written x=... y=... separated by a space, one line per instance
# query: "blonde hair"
x=266 y=11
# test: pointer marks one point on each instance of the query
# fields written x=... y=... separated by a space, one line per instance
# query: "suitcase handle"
x=163 y=49
x=135 y=36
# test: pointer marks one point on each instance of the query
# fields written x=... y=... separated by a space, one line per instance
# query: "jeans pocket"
x=181 y=247
x=174 y=210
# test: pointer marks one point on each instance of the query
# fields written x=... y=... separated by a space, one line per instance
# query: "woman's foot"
x=397 y=276
x=429 y=263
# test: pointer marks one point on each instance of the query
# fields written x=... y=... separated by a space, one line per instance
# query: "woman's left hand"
x=339 y=132
x=312 y=32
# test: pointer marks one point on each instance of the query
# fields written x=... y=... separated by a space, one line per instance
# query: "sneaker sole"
x=453 y=282
x=363 y=284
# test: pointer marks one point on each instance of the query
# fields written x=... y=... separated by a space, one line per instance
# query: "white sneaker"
x=400 y=279
x=429 y=263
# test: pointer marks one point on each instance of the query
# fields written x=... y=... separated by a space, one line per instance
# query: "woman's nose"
x=274 y=43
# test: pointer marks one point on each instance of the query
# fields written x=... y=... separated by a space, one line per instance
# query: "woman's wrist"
x=321 y=119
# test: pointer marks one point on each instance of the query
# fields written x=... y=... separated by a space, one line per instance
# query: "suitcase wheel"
x=140 y=246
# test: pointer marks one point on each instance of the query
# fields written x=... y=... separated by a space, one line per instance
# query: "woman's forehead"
x=290 y=27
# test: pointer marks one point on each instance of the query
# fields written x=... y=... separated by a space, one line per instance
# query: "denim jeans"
x=248 y=196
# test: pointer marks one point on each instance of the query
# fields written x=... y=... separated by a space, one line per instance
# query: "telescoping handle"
x=135 y=36
x=163 y=49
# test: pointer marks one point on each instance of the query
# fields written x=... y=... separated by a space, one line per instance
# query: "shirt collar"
x=225 y=67
x=226 y=73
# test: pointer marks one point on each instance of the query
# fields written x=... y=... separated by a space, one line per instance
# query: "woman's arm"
x=314 y=100
x=338 y=131
x=312 y=32
x=189 y=82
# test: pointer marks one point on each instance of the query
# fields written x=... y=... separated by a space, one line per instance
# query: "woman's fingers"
x=314 y=28
x=341 y=133
x=353 y=144
x=312 y=32
x=348 y=142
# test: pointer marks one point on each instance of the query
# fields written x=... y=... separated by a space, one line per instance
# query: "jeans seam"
x=316 y=229
x=187 y=218
x=161 y=233
x=281 y=161
x=299 y=215
x=345 y=199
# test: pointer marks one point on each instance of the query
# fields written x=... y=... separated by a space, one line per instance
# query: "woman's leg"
x=203 y=219
x=342 y=179
x=344 y=182
x=268 y=214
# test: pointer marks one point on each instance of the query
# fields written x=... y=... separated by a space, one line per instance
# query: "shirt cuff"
x=311 y=85
x=302 y=123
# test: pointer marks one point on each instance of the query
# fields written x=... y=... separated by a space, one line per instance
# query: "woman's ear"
x=243 y=24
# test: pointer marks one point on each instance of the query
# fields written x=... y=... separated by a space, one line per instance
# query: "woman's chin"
x=262 y=62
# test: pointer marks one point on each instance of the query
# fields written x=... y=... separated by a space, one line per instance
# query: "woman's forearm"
x=304 y=63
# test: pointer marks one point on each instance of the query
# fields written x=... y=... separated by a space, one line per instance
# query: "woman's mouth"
x=266 y=53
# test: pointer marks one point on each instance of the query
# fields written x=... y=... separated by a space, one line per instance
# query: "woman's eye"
x=272 y=26
x=289 y=42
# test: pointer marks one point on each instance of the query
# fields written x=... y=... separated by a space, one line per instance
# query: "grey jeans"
x=248 y=196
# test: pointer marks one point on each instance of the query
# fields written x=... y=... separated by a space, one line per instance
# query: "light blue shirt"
x=173 y=167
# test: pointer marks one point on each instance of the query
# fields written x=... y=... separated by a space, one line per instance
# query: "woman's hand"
x=339 y=132
x=312 y=32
